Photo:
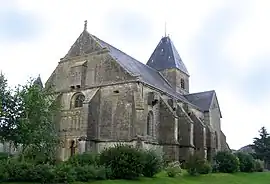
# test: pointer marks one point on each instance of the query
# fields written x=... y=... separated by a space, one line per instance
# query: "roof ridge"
x=200 y=92
x=135 y=59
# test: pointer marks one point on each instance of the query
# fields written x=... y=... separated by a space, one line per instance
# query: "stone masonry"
x=108 y=97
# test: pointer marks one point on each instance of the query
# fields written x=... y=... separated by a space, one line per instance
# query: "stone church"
x=108 y=97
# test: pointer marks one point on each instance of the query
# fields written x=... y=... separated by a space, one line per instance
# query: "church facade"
x=108 y=97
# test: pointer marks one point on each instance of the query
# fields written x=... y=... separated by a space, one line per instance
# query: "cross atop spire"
x=85 y=25
x=165 y=29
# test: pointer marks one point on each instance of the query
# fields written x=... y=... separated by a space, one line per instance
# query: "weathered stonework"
x=108 y=98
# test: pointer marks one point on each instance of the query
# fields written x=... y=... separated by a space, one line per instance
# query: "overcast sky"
x=223 y=43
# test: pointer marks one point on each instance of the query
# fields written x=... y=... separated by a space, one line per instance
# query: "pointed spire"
x=85 y=25
x=38 y=82
x=166 y=56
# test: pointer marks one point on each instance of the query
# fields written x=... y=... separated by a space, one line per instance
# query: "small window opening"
x=182 y=84
x=72 y=87
x=116 y=91
x=78 y=86
x=154 y=102
x=162 y=52
x=79 y=101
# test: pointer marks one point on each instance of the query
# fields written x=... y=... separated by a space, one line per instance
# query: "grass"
x=219 y=178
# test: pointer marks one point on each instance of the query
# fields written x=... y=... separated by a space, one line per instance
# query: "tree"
x=261 y=146
x=36 y=129
x=9 y=111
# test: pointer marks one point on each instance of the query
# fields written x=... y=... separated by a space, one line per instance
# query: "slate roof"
x=146 y=74
x=166 y=56
x=202 y=100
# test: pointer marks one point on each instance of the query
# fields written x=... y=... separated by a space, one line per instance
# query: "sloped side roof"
x=166 y=56
x=144 y=72
x=87 y=43
x=202 y=100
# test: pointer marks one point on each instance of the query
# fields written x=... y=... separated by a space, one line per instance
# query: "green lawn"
x=239 y=178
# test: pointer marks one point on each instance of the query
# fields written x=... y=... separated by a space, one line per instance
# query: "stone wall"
x=174 y=76
x=95 y=69
x=185 y=134
x=199 y=136
x=168 y=131
x=214 y=117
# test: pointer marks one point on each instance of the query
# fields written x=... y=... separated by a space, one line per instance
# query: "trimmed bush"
x=125 y=162
x=152 y=163
x=173 y=169
x=197 y=165
x=246 y=162
x=258 y=166
x=90 y=173
x=227 y=162
x=64 y=173
x=83 y=159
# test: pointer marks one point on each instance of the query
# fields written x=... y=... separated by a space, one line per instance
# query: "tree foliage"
x=28 y=118
x=261 y=145
x=36 y=128
x=9 y=111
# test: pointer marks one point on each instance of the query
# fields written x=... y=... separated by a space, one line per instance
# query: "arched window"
x=149 y=126
x=77 y=100
x=216 y=138
x=182 y=83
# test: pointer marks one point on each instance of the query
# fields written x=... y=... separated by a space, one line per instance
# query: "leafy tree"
x=9 y=111
x=261 y=146
x=36 y=129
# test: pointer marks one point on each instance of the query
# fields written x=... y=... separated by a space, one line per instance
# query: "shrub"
x=197 y=165
x=227 y=162
x=152 y=163
x=4 y=156
x=258 y=166
x=215 y=168
x=125 y=162
x=246 y=162
x=18 y=171
x=3 y=171
x=89 y=172
x=204 y=167
x=42 y=173
x=83 y=159
x=173 y=169
x=64 y=173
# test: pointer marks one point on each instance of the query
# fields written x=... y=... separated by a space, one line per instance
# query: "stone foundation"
x=171 y=152
x=185 y=152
